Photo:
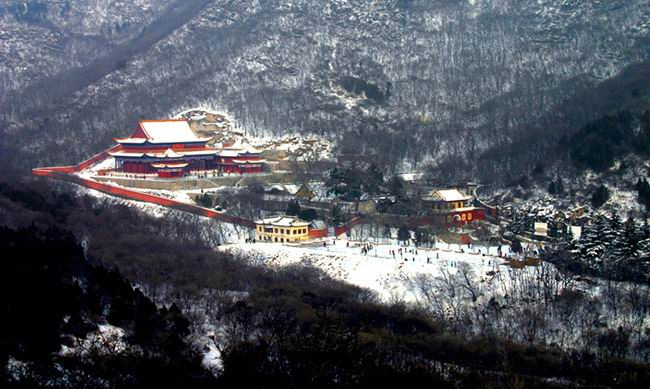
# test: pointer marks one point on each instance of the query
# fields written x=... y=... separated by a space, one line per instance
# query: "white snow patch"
x=390 y=277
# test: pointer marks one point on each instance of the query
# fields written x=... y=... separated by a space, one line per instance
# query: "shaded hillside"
x=294 y=327
x=547 y=141
x=67 y=323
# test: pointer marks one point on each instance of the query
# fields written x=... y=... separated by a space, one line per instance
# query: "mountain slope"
x=41 y=38
x=427 y=79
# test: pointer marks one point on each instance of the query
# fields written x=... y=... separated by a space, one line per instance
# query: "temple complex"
x=170 y=149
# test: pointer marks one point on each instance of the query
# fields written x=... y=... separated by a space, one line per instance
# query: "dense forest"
x=467 y=89
x=68 y=323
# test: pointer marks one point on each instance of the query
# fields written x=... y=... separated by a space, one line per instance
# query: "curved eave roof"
x=449 y=195
x=197 y=140
x=169 y=165
x=126 y=154
x=228 y=153
x=200 y=152
x=169 y=153
x=244 y=162
x=130 y=141
x=142 y=141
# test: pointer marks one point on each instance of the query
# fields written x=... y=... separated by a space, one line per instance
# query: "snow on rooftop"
x=317 y=225
x=199 y=152
x=291 y=188
x=125 y=154
x=244 y=161
x=228 y=153
x=250 y=150
x=236 y=146
x=169 y=153
x=169 y=131
x=450 y=195
x=283 y=221
x=411 y=176
x=131 y=141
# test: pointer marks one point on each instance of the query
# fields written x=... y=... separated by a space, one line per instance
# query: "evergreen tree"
x=644 y=239
x=373 y=180
x=293 y=208
x=613 y=231
x=403 y=234
x=600 y=196
x=345 y=183
x=337 y=215
x=551 y=188
x=591 y=244
x=614 y=245
x=386 y=231
x=422 y=237
x=205 y=201
x=642 y=141
x=396 y=186
x=643 y=190
x=631 y=239
x=308 y=214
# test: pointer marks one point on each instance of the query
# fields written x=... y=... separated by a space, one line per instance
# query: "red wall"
x=313 y=234
x=63 y=173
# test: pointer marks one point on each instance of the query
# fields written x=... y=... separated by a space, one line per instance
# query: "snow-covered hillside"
x=39 y=38
x=391 y=277
x=370 y=73
x=577 y=190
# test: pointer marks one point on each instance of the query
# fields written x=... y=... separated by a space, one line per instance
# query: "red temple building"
x=452 y=206
x=239 y=160
x=170 y=149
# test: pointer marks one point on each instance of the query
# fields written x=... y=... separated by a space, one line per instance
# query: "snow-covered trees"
x=613 y=249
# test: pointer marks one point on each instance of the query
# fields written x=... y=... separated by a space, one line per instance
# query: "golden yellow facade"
x=281 y=234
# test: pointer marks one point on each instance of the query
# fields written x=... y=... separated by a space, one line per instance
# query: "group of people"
x=333 y=242
x=366 y=248
x=410 y=254
x=401 y=252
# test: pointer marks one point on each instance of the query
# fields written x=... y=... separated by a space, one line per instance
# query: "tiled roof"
x=169 y=131
x=283 y=221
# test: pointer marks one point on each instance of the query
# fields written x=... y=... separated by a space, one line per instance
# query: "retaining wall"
x=179 y=184
x=138 y=196
x=65 y=173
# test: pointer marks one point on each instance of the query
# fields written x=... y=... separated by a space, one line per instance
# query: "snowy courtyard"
x=387 y=269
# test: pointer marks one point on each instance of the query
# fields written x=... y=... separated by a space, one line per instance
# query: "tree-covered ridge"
x=67 y=323
x=599 y=143
x=442 y=80
x=351 y=181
